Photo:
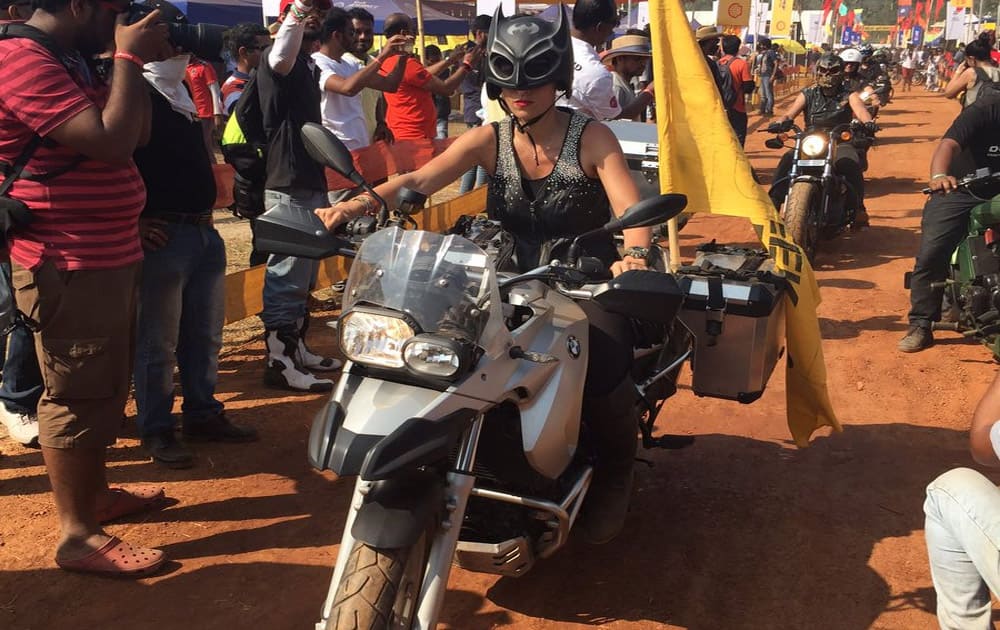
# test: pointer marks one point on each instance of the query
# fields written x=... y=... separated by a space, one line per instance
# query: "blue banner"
x=847 y=36
x=917 y=37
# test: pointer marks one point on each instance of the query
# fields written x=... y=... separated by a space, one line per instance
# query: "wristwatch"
x=640 y=253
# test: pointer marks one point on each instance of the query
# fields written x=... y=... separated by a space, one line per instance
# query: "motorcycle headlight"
x=813 y=145
x=374 y=338
x=433 y=356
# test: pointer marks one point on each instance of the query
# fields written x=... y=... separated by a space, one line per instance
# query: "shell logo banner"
x=733 y=13
x=781 y=18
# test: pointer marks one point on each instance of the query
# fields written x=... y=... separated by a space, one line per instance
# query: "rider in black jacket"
x=827 y=104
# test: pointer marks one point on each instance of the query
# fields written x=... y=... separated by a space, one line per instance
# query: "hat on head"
x=634 y=45
x=708 y=32
x=322 y=5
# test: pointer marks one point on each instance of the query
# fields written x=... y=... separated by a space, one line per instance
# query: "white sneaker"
x=21 y=427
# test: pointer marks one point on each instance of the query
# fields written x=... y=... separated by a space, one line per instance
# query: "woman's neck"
x=546 y=128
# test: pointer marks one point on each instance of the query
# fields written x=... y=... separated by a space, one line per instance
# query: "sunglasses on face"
x=827 y=70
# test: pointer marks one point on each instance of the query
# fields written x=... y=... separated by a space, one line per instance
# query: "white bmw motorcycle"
x=459 y=408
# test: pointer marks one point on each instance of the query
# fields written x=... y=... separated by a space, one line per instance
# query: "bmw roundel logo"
x=573 y=347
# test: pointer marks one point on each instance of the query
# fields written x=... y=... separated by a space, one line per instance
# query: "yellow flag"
x=781 y=18
x=700 y=157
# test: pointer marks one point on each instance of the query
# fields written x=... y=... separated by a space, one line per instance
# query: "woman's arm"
x=986 y=415
x=961 y=81
x=601 y=156
x=475 y=147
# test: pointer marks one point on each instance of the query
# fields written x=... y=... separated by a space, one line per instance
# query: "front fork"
x=435 y=581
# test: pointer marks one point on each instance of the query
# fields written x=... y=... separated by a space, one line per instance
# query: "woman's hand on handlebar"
x=340 y=213
x=943 y=183
x=628 y=263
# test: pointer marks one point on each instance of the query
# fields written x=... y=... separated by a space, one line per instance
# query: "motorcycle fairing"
x=417 y=442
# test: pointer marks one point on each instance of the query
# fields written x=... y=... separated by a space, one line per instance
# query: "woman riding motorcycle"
x=553 y=174
x=827 y=104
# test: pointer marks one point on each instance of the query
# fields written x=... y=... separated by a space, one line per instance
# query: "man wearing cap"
x=288 y=82
x=628 y=57
x=708 y=40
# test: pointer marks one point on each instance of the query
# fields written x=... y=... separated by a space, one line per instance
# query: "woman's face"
x=526 y=104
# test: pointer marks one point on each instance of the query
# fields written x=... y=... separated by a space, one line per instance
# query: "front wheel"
x=380 y=588
x=800 y=216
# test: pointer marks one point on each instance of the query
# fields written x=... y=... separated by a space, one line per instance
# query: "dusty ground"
x=739 y=531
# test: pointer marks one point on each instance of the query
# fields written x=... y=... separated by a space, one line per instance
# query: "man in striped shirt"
x=75 y=266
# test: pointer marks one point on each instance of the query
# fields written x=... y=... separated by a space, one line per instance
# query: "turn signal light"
x=845 y=136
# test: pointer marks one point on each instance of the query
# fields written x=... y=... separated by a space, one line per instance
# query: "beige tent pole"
x=420 y=32
x=675 y=244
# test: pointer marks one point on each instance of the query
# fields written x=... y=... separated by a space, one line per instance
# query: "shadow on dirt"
x=883 y=186
x=850 y=329
x=699 y=550
x=844 y=283
x=871 y=247
x=882 y=141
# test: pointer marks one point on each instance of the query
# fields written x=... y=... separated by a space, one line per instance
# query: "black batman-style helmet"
x=526 y=51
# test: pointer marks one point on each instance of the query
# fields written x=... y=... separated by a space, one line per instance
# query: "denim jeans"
x=21 y=386
x=943 y=226
x=962 y=529
x=287 y=279
x=766 y=94
x=442 y=129
x=181 y=313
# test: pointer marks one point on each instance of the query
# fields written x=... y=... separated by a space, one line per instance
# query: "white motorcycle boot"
x=309 y=359
x=284 y=370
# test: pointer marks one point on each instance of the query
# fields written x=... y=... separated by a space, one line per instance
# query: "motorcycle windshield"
x=445 y=283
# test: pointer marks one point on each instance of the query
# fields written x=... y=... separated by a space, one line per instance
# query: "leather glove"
x=870 y=128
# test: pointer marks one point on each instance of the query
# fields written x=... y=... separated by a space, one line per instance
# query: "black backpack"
x=244 y=147
x=988 y=88
x=724 y=80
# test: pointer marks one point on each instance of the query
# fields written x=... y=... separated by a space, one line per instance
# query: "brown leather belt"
x=187 y=218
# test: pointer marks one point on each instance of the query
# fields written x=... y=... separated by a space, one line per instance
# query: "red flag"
x=827 y=7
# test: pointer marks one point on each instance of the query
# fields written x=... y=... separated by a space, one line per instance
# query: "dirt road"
x=741 y=530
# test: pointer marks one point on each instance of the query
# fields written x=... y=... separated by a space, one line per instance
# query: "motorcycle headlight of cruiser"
x=813 y=145
x=374 y=339
x=430 y=355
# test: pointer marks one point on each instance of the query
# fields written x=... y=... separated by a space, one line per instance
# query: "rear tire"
x=380 y=587
x=799 y=217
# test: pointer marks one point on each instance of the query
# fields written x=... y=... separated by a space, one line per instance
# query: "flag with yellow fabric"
x=700 y=157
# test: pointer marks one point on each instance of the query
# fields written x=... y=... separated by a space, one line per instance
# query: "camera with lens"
x=204 y=41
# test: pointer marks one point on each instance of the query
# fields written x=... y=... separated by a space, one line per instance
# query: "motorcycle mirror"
x=648 y=212
x=774 y=143
x=410 y=201
x=328 y=150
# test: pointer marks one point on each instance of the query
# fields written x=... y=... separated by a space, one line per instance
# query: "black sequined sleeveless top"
x=564 y=204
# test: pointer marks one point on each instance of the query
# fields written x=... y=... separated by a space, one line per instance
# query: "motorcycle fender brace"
x=715 y=309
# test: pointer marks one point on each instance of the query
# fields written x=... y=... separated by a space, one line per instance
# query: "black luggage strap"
x=715 y=308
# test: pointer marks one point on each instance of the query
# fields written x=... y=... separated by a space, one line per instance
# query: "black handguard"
x=780 y=126
x=870 y=128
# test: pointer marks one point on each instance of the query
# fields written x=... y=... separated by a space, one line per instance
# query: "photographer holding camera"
x=76 y=264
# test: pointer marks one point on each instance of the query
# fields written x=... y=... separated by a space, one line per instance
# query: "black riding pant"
x=944 y=223
x=847 y=163
x=739 y=121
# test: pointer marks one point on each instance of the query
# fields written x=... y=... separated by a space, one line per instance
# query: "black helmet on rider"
x=526 y=51
x=830 y=72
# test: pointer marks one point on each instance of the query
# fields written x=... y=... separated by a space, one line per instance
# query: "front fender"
x=395 y=512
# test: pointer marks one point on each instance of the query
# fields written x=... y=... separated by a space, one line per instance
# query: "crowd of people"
x=118 y=141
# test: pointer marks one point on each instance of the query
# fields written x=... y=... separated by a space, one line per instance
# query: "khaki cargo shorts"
x=84 y=324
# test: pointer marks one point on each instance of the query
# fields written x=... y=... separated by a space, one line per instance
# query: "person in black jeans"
x=972 y=142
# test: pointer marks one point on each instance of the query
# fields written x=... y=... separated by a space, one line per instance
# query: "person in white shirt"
x=593 y=93
x=342 y=77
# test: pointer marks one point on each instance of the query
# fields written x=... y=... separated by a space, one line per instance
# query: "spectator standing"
x=288 y=81
x=907 y=62
x=742 y=83
x=410 y=113
x=593 y=93
x=203 y=83
x=767 y=65
x=21 y=386
x=471 y=90
x=182 y=286
x=628 y=57
x=442 y=103
x=343 y=77
x=82 y=243
x=245 y=43
x=372 y=101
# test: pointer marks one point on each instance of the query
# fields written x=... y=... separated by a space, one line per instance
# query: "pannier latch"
x=715 y=308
